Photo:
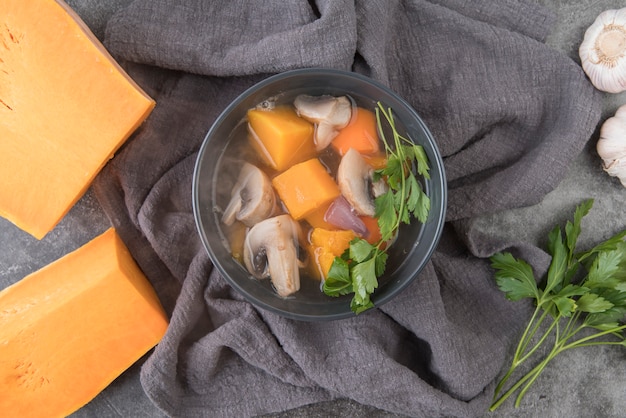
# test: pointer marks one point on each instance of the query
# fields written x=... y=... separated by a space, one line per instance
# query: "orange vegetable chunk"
x=65 y=107
x=376 y=161
x=328 y=244
x=281 y=137
x=374 y=230
x=360 y=134
x=316 y=218
x=71 y=328
x=305 y=187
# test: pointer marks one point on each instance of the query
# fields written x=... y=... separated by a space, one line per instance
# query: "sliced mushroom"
x=252 y=198
x=271 y=250
x=355 y=180
x=329 y=113
x=324 y=135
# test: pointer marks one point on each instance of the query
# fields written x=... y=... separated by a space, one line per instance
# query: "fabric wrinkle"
x=507 y=124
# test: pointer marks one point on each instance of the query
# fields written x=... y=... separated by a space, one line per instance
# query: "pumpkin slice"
x=69 y=329
x=65 y=107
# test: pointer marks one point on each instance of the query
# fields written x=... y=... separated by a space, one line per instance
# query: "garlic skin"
x=603 y=51
x=611 y=146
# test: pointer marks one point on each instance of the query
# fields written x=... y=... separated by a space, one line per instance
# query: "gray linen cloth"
x=508 y=113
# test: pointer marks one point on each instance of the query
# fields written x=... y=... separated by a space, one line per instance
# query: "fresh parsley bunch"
x=582 y=291
x=358 y=269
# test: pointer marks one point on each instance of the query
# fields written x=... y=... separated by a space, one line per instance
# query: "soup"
x=312 y=178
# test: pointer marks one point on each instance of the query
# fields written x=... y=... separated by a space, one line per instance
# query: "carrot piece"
x=326 y=245
x=376 y=161
x=305 y=187
x=360 y=134
x=281 y=137
x=372 y=226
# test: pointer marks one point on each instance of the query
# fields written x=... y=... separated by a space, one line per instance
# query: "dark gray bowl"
x=415 y=244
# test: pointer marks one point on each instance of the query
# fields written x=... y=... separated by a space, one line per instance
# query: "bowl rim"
x=438 y=218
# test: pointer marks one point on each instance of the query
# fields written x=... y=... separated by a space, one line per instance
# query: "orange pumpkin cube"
x=305 y=187
x=326 y=245
x=316 y=218
x=280 y=136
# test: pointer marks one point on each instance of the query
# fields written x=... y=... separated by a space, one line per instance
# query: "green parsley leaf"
x=572 y=230
x=364 y=280
x=338 y=281
x=358 y=308
x=381 y=262
x=597 y=300
x=358 y=269
x=558 y=266
x=514 y=277
x=418 y=203
x=423 y=169
x=593 y=303
x=564 y=306
x=361 y=250
x=386 y=214
x=604 y=269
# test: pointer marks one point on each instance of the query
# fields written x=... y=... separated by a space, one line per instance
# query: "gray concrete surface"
x=590 y=382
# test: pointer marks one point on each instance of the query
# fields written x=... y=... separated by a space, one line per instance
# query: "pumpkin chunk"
x=66 y=106
x=69 y=329
x=326 y=245
x=281 y=137
x=305 y=187
x=317 y=218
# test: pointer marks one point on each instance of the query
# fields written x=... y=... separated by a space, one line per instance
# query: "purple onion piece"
x=341 y=215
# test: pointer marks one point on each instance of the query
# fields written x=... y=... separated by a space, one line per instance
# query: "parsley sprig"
x=359 y=267
x=570 y=311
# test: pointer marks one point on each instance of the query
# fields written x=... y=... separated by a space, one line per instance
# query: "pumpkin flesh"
x=68 y=330
x=65 y=107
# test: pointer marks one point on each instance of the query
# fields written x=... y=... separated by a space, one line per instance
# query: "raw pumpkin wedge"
x=65 y=107
x=69 y=329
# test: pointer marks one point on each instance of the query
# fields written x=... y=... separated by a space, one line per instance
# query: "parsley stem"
x=532 y=377
x=560 y=345
x=527 y=336
x=397 y=143
x=570 y=325
x=358 y=269
x=539 y=343
x=596 y=301
x=578 y=343
x=521 y=347
x=518 y=384
x=522 y=354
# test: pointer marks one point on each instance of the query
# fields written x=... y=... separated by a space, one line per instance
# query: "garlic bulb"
x=603 y=51
x=612 y=145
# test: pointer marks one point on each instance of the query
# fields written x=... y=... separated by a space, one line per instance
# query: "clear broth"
x=238 y=150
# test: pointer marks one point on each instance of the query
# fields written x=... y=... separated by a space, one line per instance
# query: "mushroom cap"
x=329 y=113
x=354 y=177
x=252 y=197
x=271 y=250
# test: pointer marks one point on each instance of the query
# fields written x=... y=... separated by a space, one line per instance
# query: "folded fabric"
x=508 y=113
